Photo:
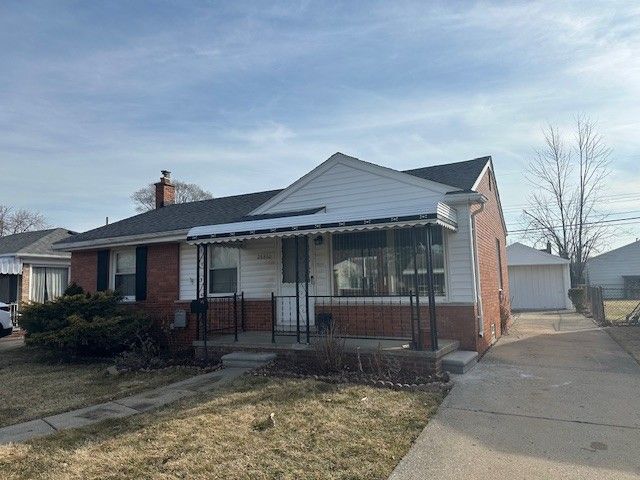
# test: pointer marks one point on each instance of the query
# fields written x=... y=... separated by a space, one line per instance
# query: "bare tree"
x=568 y=181
x=19 y=221
x=145 y=197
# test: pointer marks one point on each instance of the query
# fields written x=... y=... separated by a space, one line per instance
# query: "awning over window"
x=10 y=265
x=321 y=222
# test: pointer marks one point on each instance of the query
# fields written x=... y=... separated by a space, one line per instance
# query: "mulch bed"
x=440 y=383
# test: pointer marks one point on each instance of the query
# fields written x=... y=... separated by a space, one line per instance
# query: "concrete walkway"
x=557 y=398
x=123 y=407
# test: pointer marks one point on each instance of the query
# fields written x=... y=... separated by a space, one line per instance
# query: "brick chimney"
x=165 y=190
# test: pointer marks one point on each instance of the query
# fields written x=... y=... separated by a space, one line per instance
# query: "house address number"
x=265 y=256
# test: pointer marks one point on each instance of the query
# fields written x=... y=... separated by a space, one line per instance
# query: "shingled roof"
x=34 y=243
x=462 y=175
x=183 y=216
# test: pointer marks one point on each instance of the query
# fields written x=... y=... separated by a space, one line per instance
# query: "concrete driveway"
x=556 y=398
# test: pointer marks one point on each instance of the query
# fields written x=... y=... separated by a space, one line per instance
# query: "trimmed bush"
x=73 y=289
x=45 y=317
x=576 y=295
x=84 y=324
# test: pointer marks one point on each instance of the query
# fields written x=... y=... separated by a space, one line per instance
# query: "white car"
x=6 y=327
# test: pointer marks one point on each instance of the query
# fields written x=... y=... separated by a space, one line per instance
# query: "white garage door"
x=539 y=287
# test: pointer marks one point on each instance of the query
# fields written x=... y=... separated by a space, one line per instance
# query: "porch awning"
x=10 y=265
x=321 y=222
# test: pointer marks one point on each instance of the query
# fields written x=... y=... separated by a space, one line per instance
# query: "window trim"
x=112 y=273
x=209 y=257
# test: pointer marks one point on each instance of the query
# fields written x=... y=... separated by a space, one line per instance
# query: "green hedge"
x=84 y=324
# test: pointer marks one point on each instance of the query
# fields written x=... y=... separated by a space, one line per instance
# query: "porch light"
x=318 y=240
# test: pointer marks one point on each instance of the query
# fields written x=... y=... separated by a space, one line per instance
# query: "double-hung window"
x=124 y=273
x=223 y=270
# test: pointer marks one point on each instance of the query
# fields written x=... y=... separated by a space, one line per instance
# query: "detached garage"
x=537 y=280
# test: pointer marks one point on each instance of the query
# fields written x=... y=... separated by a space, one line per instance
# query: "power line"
x=611 y=221
x=604 y=200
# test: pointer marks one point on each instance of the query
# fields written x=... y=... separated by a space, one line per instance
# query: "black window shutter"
x=103 y=270
x=141 y=273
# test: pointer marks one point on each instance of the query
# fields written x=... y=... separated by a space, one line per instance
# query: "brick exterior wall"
x=84 y=269
x=489 y=228
x=25 y=284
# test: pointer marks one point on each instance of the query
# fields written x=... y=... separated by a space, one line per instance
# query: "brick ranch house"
x=376 y=254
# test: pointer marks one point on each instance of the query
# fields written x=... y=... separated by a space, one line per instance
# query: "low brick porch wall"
x=455 y=322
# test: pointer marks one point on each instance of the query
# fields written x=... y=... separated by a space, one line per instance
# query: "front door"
x=287 y=307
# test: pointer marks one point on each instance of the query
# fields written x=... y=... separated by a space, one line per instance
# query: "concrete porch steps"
x=247 y=359
x=459 y=361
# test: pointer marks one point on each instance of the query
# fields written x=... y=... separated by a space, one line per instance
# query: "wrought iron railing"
x=392 y=317
x=224 y=315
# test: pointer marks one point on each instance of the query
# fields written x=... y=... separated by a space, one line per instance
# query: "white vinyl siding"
x=257 y=275
x=258 y=269
x=459 y=259
x=343 y=188
x=608 y=269
x=187 y=271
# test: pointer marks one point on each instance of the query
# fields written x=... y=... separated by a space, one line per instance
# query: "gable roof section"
x=519 y=254
x=355 y=163
x=178 y=217
x=629 y=249
x=34 y=243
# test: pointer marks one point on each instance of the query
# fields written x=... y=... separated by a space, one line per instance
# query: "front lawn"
x=321 y=431
x=33 y=386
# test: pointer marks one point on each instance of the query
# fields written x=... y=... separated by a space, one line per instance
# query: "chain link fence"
x=613 y=305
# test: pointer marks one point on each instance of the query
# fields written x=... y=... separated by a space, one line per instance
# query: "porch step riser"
x=460 y=361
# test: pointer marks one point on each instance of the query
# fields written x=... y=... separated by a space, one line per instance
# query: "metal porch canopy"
x=292 y=225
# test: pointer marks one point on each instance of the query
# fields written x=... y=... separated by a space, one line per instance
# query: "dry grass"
x=319 y=431
x=616 y=311
x=34 y=386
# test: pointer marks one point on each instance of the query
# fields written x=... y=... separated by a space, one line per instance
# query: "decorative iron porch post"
x=414 y=241
x=297 y=263
x=431 y=291
x=201 y=293
x=306 y=286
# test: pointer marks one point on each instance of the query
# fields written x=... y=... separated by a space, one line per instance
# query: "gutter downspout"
x=476 y=270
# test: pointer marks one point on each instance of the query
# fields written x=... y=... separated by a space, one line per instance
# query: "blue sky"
x=97 y=97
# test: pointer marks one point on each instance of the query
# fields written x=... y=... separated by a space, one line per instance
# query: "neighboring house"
x=30 y=270
x=618 y=271
x=537 y=279
x=347 y=244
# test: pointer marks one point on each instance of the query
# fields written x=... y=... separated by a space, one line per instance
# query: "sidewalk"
x=556 y=398
x=123 y=407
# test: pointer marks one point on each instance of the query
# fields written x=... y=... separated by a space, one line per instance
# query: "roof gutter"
x=128 y=240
